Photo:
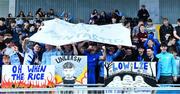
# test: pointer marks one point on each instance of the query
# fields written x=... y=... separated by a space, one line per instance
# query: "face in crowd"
x=149 y=52
x=37 y=47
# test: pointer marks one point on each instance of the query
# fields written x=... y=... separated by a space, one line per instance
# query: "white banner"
x=130 y=74
x=148 y=68
x=26 y=76
x=58 y=32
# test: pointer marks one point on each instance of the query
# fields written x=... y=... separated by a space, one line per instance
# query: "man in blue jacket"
x=166 y=67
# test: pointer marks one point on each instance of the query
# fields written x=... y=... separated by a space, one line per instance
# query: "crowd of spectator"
x=16 y=49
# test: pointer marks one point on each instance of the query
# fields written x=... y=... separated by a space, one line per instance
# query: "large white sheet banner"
x=58 y=32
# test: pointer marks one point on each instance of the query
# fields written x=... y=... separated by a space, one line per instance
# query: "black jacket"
x=165 y=30
x=143 y=14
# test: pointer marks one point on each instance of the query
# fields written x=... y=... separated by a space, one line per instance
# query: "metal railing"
x=89 y=90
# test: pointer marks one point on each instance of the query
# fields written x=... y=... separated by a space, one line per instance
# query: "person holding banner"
x=50 y=51
x=93 y=59
x=166 y=68
x=31 y=55
x=17 y=57
x=111 y=55
x=70 y=49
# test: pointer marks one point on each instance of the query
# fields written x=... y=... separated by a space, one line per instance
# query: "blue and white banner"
x=58 y=32
x=130 y=74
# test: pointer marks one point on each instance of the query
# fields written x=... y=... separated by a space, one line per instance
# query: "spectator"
x=91 y=21
x=111 y=55
x=32 y=55
x=150 y=55
x=142 y=35
x=127 y=24
x=151 y=28
x=17 y=57
x=119 y=14
x=14 y=31
x=66 y=16
x=166 y=30
x=93 y=58
x=136 y=28
x=70 y=49
x=151 y=58
x=103 y=18
x=123 y=19
x=50 y=51
x=37 y=24
x=166 y=69
x=114 y=18
x=32 y=30
x=25 y=31
x=51 y=13
x=135 y=41
x=30 y=15
x=9 y=44
x=3 y=27
x=94 y=14
x=177 y=58
x=128 y=55
x=30 y=18
x=39 y=12
x=143 y=14
x=21 y=14
x=153 y=43
x=176 y=34
x=141 y=54
x=19 y=22
x=171 y=44
x=9 y=19
x=2 y=44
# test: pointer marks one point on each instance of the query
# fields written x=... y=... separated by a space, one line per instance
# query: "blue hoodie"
x=166 y=65
x=156 y=45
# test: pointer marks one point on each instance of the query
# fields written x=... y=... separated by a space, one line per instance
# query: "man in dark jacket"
x=166 y=30
x=143 y=14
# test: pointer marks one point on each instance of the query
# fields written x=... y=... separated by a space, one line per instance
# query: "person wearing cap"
x=143 y=14
x=166 y=67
